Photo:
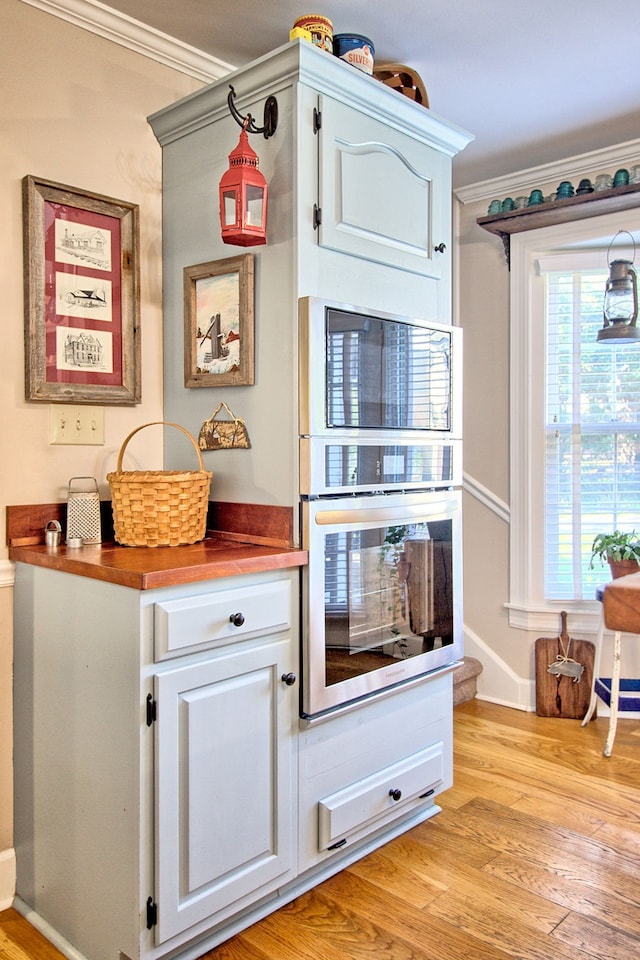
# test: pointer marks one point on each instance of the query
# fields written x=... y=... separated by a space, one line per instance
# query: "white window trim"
x=527 y=606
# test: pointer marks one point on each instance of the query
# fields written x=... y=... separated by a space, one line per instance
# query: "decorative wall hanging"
x=218 y=329
x=216 y=434
x=82 y=326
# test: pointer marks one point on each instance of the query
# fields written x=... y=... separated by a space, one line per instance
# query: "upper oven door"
x=366 y=373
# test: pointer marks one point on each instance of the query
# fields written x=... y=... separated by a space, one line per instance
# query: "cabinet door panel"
x=223 y=783
x=384 y=195
x=213 y=846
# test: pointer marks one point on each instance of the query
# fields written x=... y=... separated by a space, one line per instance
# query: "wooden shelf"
x=552 y=212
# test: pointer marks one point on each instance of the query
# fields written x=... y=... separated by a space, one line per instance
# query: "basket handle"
x=217 y=410
x=153 y=423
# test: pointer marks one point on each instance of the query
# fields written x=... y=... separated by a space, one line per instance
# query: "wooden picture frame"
x=219 y=323
x=81 y=296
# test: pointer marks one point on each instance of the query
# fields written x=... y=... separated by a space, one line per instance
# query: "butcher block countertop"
x=231 y=551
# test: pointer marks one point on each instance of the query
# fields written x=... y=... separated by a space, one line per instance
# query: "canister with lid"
x=355 y=49
x=320 y=28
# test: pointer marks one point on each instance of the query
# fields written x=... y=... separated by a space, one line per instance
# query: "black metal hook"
x=270 y=116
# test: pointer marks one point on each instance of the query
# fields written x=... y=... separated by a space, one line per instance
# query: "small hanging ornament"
x=243 y=197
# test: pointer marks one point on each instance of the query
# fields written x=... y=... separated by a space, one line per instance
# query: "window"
x=592 y=425
x=575 y=421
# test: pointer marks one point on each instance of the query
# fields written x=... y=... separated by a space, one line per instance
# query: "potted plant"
x=620 y=550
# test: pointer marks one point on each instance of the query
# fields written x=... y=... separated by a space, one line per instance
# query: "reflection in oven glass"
x=386 y=374
x=388 y=596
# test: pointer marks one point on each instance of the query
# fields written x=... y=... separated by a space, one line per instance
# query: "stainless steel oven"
x=380 y=474
x=382 y=602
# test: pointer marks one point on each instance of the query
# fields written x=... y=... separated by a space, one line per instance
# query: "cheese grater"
x=83 y=510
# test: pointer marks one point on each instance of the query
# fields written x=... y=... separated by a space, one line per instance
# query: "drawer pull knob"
x=237 y=619
x=289 y=679
x=395 y=794
x=440 y=247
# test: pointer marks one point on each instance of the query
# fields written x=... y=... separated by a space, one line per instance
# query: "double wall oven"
x=380 y=475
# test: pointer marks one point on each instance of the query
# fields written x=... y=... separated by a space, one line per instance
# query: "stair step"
x=464 y=680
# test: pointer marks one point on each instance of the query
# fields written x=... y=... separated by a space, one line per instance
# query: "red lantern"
x=243 y=197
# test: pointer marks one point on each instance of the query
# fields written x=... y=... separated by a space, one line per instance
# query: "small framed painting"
x=81 y=275
x=219 y=325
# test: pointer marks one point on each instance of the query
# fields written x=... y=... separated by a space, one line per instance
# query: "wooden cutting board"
x=558 y=695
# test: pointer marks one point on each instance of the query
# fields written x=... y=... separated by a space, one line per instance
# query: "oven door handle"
x=385 y=514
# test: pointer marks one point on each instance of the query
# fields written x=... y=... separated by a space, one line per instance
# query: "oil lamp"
x=620 y=300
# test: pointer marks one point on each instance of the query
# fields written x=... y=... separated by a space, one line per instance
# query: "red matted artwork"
x=82 y=330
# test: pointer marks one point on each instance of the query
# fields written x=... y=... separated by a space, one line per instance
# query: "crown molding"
x=105 y=22
x=607 y=160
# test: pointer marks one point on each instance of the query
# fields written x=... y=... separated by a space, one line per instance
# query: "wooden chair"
x=620 y=613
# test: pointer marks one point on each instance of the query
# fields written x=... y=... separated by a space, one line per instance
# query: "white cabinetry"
x=367 y=771
x=223 y=798
x=383 y=195
x=155 y=755
x=359 y=212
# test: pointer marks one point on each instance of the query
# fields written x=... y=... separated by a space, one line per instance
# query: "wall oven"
x=380 y=472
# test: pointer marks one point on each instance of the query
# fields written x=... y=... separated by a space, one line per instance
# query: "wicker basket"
x=159 y=508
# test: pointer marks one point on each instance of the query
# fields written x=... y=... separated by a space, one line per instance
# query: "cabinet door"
x=223 y=782
x=384 y=195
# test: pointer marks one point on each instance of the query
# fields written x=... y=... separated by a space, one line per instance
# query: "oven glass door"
x=382 y=597
x=377 y=374
x=387 y=374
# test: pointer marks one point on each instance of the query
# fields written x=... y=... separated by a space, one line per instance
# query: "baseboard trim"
x=498 y=683
x=7 y=878
x=52 y=935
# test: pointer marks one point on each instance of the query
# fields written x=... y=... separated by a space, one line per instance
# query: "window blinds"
x=592 y=420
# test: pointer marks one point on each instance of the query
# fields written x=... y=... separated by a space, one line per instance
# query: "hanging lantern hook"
x=631 y=237
x=270 y=122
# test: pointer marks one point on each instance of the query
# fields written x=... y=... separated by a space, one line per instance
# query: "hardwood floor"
x=536 y=855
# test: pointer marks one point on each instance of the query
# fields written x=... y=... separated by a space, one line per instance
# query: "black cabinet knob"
x=440 y=247
x=395 y=794
x=289 y=679
x=237 y=619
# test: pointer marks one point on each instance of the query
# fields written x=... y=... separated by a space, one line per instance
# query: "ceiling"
x=533 y=81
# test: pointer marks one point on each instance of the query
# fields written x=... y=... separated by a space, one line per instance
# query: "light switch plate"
x=76 y=424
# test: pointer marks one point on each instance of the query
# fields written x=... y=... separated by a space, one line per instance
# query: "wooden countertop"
x=146 y=568
x=244 y=538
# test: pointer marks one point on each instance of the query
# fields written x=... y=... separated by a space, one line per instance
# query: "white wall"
x=73 y=110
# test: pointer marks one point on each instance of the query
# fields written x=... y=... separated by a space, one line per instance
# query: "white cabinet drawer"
x=365 y=801
x=197 y=623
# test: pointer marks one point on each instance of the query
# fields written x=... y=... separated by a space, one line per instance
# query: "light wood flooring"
x=536 y=856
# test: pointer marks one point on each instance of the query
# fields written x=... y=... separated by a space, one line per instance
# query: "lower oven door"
x=382 y=597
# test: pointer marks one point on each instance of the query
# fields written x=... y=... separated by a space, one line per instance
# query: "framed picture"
x=218 y=327
x=81 y=275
